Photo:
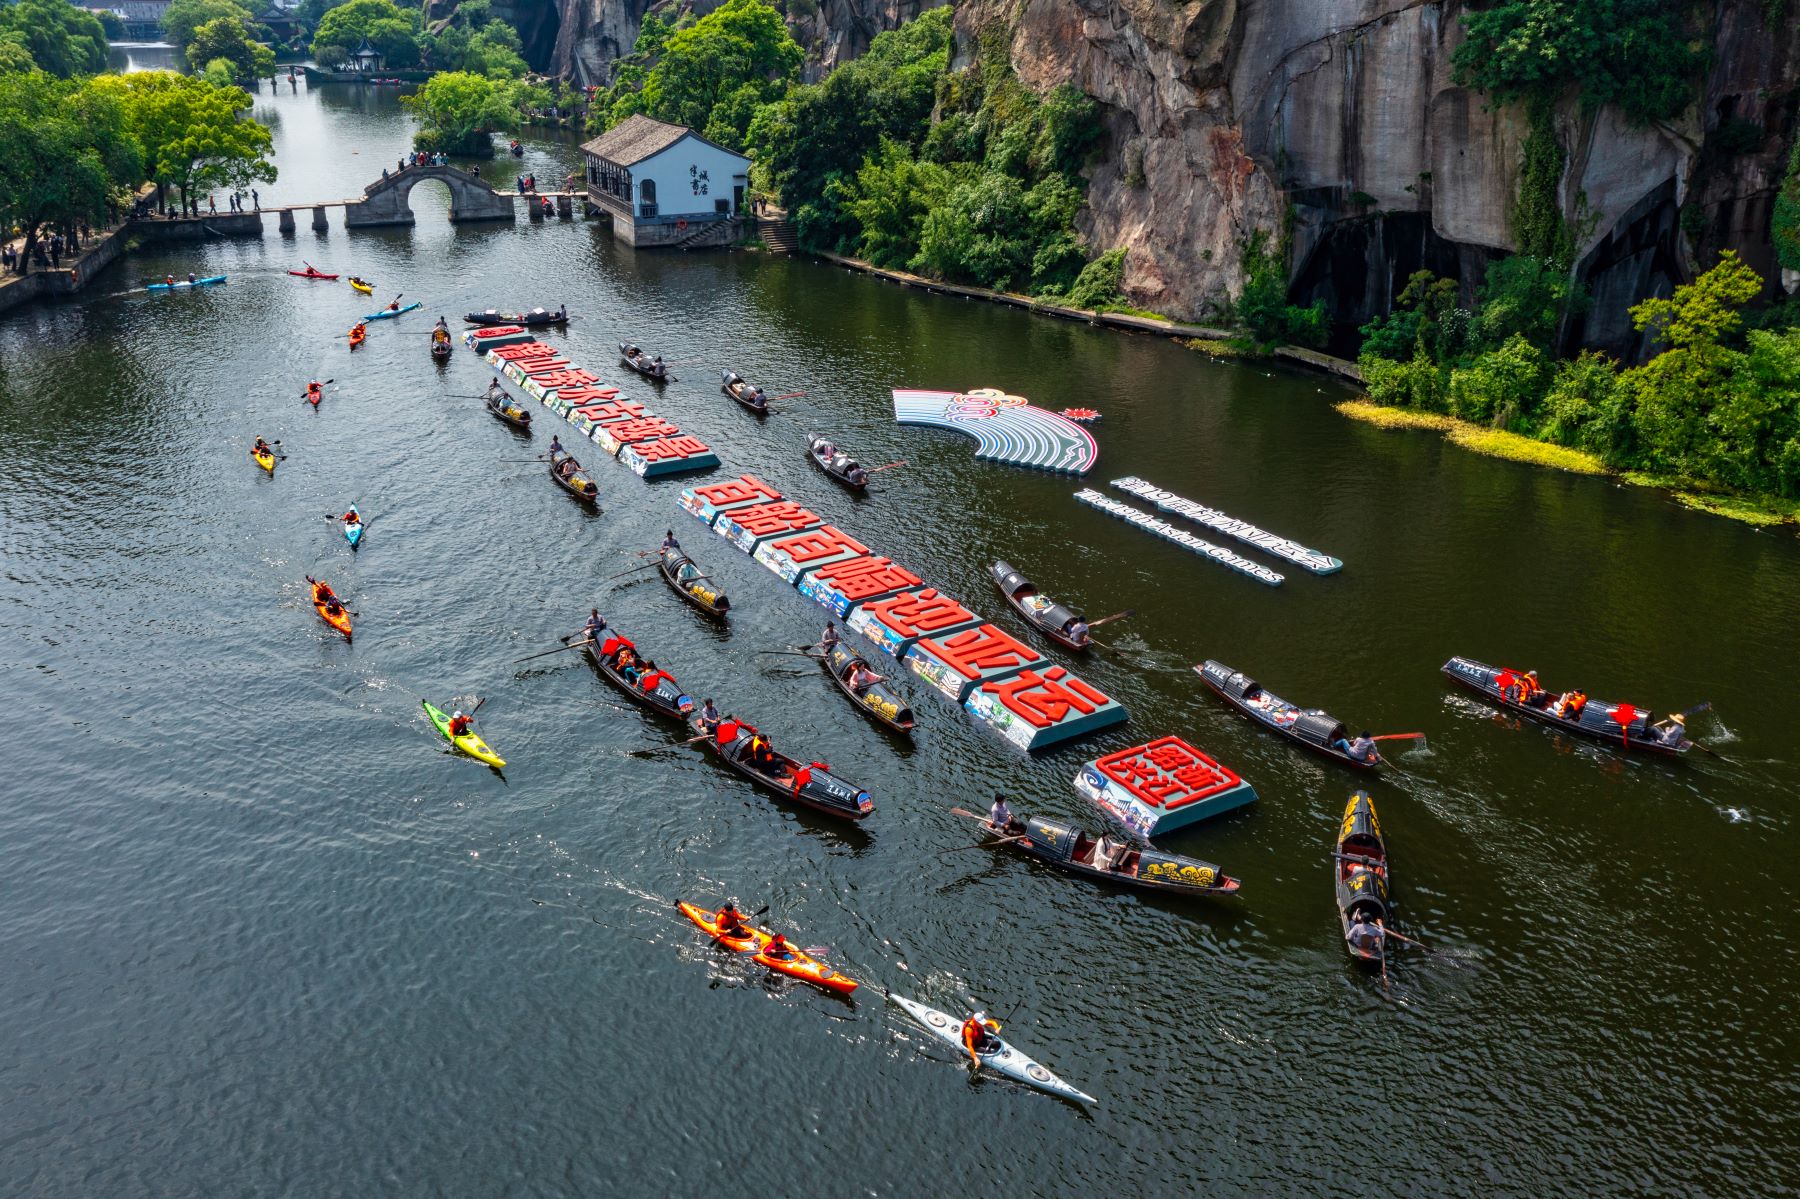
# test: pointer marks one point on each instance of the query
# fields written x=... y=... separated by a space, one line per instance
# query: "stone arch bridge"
x=386 y=201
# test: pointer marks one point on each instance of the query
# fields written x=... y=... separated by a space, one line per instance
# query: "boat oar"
x=792 y=395
x=632 y=571
x=788 y=653
x=1399 y=737
x=559 y=649
x=1390 y=932
x=1094 y=624
x=1707 y=749
x=476 y=708
x=889 y=466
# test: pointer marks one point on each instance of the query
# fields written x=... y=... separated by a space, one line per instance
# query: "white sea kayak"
x=1005 y=1060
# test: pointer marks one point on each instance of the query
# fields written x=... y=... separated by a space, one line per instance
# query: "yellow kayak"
x=264 y=459
x=469 y=743
x=367 y=289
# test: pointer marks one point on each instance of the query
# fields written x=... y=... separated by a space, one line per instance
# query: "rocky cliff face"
x=1226 y=116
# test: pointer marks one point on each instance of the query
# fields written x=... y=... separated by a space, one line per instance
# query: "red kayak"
x=309 y=273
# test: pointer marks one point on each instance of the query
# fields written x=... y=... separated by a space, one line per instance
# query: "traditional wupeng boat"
x=734 y=386
x=812 y=785
x=877 y=701
x=531 y=320
x=1623 y=725
x=834 y=462
x=440 y=349
x=665 y=697
x=635 y=359
x=1042 y=613
x=1312 y=727
x=1070 y=848
x=571 y=478
x=691 y=583
x=1359 y=870
x=512 y=413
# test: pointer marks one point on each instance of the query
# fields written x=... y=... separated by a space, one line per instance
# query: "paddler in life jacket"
x=980 y=1035
x=169 y=280
x=315 y=391
x=262 y=447
x=352 y=518
x=460 y=723
x=778 y=949
x=394 y=304
x=729 y=921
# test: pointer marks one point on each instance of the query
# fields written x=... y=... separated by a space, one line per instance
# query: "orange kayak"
x=800 y=966
x=341 y=621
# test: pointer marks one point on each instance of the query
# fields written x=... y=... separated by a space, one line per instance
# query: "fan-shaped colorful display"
x=1006 y=428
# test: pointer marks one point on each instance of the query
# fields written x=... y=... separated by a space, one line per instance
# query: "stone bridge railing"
x=386 y=201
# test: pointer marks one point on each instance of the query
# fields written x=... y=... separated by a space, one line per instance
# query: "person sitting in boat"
x=657 y=367
x=860 y=678
x=441 y=324
x=459 y=723
x=980 y=1036
x=1569 y=705
x=1362 y=748
x=828 y=640
x=1671 y=731
x=1076 y=630
x=556 y=445
x=394 y=304
x=169 y=280
x=668 y=541
x=650 y=675
x=1365 y=936
x=856 y=476
x=352 y=517
x=626 y=664
x=191 y=277
x=709 y=718
x=779 y=949
x=729 y=921
x=562 y=314
x=826 y=450
x=261 y=447
x=1000 y=817
x=360 y=329
x=596 y=624
x=759 y=397
x=761 y=755
x=495 y=391
x=1107 y=853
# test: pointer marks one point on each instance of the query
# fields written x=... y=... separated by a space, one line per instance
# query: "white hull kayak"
x=1005 y=1060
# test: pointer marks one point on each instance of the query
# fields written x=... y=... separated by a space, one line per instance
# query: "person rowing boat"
x=460 y=724
x=1671 y=731
x=1366 y=936
x=668 y=541
x=730 y=922
x=315 y=391
x=1362 y=748
x=828 y=640
x=778 y=948
x=1000 y=817
x=709 y=718
x=596 y=624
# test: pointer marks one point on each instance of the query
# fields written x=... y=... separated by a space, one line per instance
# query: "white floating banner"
x=1180 y=537
x=1244 y=531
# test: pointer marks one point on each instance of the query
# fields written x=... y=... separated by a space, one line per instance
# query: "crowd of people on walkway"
x=49 y=250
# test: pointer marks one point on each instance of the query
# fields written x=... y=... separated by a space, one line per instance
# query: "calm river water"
x=262 y=934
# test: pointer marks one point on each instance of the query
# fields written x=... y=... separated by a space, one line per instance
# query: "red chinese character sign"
x=1034 y=708
x=707 y=502
x=667 y=456
x=744 y=527
x=1151 y=789
x=958 y=663
x=795 y=554
x=843 y=585
x=896 y=622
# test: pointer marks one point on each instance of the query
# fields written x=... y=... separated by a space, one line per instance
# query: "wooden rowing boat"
x=734 y=386
x=877 y=701
x=844 y=469
x=684 y=575
x=1623 y=725
x=1312 y=727
x=1359 y=871
x=1070 y=848
x=817 y=788
x=576 y=481
x=634 y=359
x=665 y=699
x=512 y=413
x=1039 y=610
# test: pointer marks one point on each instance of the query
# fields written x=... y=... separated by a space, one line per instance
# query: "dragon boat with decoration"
x=876 y=700
x=1069 y=847
x=1039 y=610
x=1314 y=728
x=744 y=749
x=691 y=583
x=1624 y=725
x=1359 y=871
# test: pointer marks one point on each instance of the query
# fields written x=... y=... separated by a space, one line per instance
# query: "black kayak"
x=1312 y=727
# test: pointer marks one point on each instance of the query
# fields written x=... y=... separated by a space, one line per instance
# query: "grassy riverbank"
x=1497 y=443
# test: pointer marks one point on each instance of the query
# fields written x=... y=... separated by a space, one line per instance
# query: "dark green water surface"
x=263 y=935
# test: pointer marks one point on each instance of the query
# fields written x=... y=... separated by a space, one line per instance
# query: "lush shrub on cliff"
x=1261 y=308
x=1710 y=406
x=711 y=76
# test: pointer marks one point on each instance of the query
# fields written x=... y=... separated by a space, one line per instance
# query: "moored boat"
x=834 y=462
x=1063 y=626
x=755 y=941
x=691 y=583
x=743 y=748
x=1359 y=871
x=664 y=696
x=876 y=700
x=1314 y=728
x=1004 y=1059
x=632 y=358
x=508 y=409
x=573 y=479
x=734 y=385
x=1624 y=725
x=1069 y=847
x=536 y=318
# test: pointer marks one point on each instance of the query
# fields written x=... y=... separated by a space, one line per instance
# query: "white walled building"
x=664 y=184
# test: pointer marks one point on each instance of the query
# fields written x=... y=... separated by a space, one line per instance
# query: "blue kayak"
x=209 y=280
x=353 y=532
x=387 y=312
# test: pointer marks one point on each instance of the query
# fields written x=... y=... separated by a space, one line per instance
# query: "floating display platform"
x=1006 y=428
x=1035 y=709
x=1164 y=785
x=1180 y=537
x=483 y=340
x=1242 y=530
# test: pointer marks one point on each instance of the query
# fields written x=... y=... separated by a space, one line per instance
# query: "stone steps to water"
x=777 y=235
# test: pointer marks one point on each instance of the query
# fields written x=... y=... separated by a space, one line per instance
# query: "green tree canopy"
x=184 y=17
x=714 y=74
x=193 y=132
x=228 y=38
x=392 y=30
x=68 y=152
x=62 y=39
x=458 y=109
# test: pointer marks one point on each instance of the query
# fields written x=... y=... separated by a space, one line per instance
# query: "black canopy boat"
x=441 y=348
x=776 y=773
x=733 y=385
x=1068 y=847
x=1312 y=727
x=691 y=583
x=877 y=701
x=1039 y=610
x=1623 y=725
x=632 y=358
x=1359 y=869
x=508 y=409
x=665 y=698
x=571 y=478
x=536 y=318
x=834 y=462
